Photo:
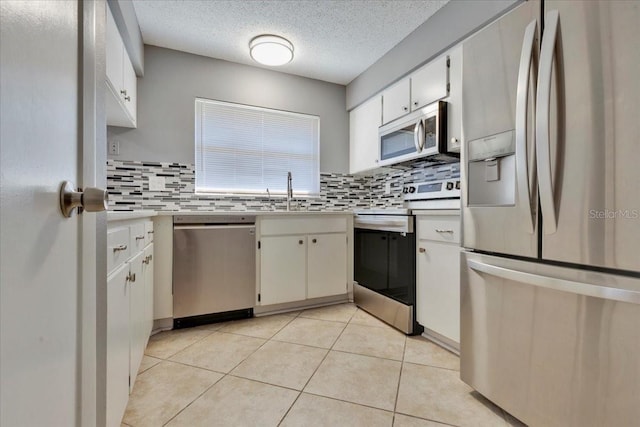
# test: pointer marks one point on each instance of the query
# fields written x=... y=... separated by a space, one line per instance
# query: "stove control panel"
x=429 y=190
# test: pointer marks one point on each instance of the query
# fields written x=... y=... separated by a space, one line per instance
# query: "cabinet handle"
x=127 y=98
x=443 y=231
x=300 y=242
x=422 y=250
x=123 y=92
x=120 y=248
x=140 y=237
x=314 y=240
x=150 y=232
x=131 y=277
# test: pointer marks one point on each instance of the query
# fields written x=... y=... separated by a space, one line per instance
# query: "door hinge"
x=448 y=87
x=129 y=381
x=448 y=62
x=259 y=245
x=258 y=297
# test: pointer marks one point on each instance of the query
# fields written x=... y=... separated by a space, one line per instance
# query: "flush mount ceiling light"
x=271 y=50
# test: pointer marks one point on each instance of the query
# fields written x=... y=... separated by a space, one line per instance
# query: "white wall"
x=173 y=80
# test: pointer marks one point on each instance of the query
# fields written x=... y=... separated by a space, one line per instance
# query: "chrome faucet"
x=289 y=191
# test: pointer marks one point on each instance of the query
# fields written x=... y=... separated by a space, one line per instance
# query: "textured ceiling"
x=333 y=41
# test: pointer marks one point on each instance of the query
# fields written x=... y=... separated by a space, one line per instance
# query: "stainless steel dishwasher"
x=214 y=268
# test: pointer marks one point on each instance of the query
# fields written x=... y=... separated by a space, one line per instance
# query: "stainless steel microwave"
x=423 y=133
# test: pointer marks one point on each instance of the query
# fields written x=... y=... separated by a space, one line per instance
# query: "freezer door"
x=589 y=104
x=550 y=345
x=499 y=197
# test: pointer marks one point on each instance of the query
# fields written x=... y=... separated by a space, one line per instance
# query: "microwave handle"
x=418 y=136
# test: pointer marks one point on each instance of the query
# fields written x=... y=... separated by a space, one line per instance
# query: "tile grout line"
x=225 y=375
x=395 y=404
x=314 y=372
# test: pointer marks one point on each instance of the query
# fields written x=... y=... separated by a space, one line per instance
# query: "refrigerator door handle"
x=586 y=289
x=543 y=106
x=522 y=98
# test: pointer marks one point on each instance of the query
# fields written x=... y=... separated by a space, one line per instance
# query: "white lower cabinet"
x=327 y=265
x=137 y=314
x=283 y=269
x=129 y=313
x=438 y=275
x=302 y=258
x=117 y=344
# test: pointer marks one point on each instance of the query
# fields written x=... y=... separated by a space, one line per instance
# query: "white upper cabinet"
x=426 y=86
x=364 y=122
x=429 y=83
x=121 y=79
x=396 y=100
x=454 y=107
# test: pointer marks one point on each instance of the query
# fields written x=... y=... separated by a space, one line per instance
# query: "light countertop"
x=126 y=215
x=256 y=213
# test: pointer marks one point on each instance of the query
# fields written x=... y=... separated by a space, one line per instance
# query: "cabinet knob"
x=415 y=103
x=123 y=92
x=300 y=242
x=422 y=250
x=314 y=240
x=127 y=98
x=454 y=140
x=131 y=277
x=405 y=108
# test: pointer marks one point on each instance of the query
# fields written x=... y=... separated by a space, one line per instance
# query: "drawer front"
x=445 y=228
x=137 y=237
x=118 y=247
x=279 y=226
x=148 y=232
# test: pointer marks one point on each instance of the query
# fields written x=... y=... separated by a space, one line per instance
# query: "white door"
x=283 y=269
x=327 y=265
x=48 y=267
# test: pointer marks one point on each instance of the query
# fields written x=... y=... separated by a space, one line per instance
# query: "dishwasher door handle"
x=212 y=227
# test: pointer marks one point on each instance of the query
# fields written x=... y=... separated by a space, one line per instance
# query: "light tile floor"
x=329 y=366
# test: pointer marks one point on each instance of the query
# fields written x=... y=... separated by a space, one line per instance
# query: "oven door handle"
x=385 y=223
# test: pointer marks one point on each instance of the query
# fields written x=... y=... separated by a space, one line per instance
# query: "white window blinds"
x=245 y=150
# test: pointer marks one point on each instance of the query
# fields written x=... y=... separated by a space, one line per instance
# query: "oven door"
x=384 y=262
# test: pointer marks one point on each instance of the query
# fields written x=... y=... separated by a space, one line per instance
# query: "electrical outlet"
x=114 y=148
x=387 y=188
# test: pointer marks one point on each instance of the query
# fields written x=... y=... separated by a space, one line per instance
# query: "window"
x=245 y=150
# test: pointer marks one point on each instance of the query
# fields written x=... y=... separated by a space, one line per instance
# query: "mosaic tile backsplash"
x=128 y=185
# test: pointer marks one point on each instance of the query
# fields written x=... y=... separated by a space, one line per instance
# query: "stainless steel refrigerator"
x=550 y=271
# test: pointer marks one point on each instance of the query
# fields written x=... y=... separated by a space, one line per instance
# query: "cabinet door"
x=148 y=288
x=429 y=83
x=117 y=344
x=114 y=57
x=438 y=288
x=283 y=269
x=136 y=315
x=454 y=108
x=395 y=101
x=327 y=265
x=364 y=122
x=130 y=87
